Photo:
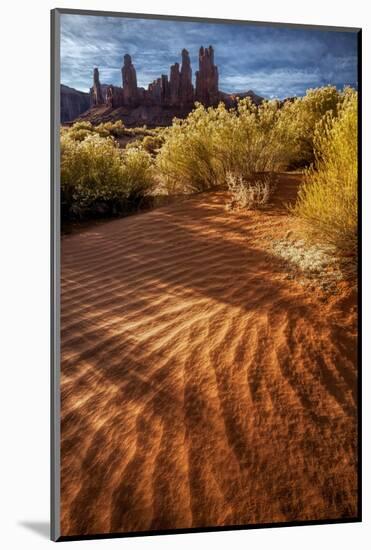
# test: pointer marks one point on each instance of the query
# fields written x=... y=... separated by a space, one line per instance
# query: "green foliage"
x=79 y=131
x=201 y=150
x=115 y=129
x=328 y=199
x=83 y=129
x=152 y=144
x=138 y=174
x=95 y=170
x=303 y=114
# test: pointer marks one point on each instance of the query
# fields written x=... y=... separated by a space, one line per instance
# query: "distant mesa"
x=167 y=96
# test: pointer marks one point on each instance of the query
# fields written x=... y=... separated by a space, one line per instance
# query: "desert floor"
x=201 y=385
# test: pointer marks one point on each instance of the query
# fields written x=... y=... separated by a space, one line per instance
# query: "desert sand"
x=200 y=385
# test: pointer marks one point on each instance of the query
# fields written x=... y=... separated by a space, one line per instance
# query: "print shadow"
x=41 y=528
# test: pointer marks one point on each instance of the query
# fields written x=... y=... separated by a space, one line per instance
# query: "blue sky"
x=271 y=61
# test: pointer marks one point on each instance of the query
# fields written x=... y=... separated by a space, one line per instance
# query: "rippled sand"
x=201 y=386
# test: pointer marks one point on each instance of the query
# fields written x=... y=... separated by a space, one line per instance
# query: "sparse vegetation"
x=247 y=194
x=83 y=129
x=312 y=262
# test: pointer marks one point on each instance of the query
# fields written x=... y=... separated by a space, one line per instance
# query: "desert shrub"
x=328 y=198
x=115 y=129
x=96 y=170
x=303 y=114
x=138 y=174
x=253 y=139
x=134 y=144
x=152 y=144
x=80 y=130
x=83 y=129
x=201 y=150
x=102 y=130
x=82 y=125
x=186 y=161
x=140 y=131
x=248 y=194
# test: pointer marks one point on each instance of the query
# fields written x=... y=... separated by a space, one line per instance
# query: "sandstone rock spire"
x=129 y=82
x=114 y=96
x=158 y=92
x=174 y=84
x=207 y=91
x=186 y=88
x=97 y=96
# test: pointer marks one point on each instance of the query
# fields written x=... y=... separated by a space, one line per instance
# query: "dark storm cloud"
x=274 y=62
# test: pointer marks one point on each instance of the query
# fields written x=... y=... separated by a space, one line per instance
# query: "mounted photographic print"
x=205 y=281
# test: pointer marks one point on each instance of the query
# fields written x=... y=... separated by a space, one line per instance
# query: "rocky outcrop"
x=129 y=82
x=97 y=95
x=174 y=84
x=114 y=96
x=176 y=91
x=158 y=92
x=186 y=93
x=165 y=98
x=230 y=100
x=73 y=103
x=207 y=77
x=165 y=90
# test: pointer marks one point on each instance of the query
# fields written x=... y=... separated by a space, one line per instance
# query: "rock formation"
x=165 y=89
x=207 y=91
x=158 y=92
x=174 y=84
x=114 y=96
x=178 y=91
x=186 y=94
x=165 y=98
x=97 y=95
x=129 y=82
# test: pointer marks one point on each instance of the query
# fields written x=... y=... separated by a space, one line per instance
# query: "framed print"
x=205 y=274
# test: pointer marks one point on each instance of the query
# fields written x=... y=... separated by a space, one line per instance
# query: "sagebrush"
x=248 y=194
x=328 y=200
x=201 y=150
x=95 y=170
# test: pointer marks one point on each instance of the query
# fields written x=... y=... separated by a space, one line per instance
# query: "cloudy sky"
x=273 y=62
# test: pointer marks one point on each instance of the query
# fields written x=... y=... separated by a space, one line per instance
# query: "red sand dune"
x=200 y=386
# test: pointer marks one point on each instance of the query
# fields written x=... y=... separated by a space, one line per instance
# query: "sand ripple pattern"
x=200 y=387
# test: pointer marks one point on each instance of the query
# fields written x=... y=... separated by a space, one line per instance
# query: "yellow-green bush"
x=83 y=129
x=303 y=114
x=115 y=129
x=328 y=198
x=186 y=161
x=201 y=150
x=79 y=131
x=138 y=174
x=96 y=170
x=152 y=144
